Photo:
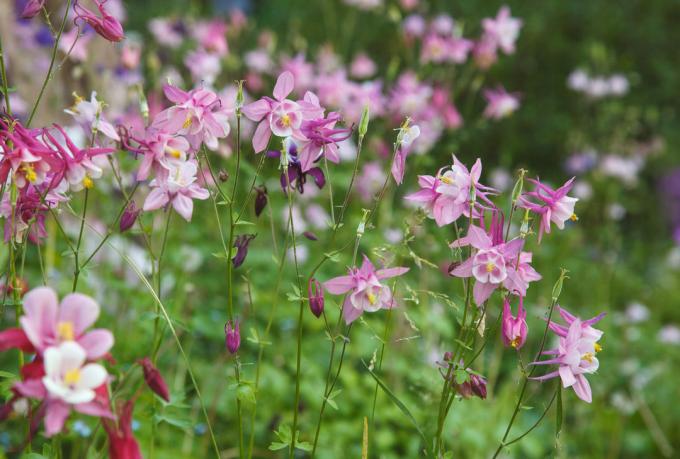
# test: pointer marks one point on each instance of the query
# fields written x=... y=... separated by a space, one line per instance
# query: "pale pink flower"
x=553 y=206
x=362 y=66
x=161 y=150
x=503 y=29
x=204 y=66
x=212 y=36
x=367 y=292
x=89 y=114
x=47 y=322
x=176 y=186
x=514 y=329
x=500 y=103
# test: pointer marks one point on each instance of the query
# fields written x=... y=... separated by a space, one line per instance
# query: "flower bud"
x=32 y=9
x=514 y=329
x=154 y=379
x=363 y=124
x=232 y=336
x=260 y=200
x=242 y=242
x=316 y=300
x=223 y=176
x=107 y=26
x=129 y=217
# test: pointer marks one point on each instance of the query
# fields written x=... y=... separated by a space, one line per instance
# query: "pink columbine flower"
x=280 y=116
x=89 y=115
x=493 y=264
x=176 y=186
x=199 y=115
x=32 y=8
x=575 y=354
x=232 y=336
x=503 y=30
x=500 y=103
x=447 y=196
x=319 y=137
x=554 y=206
x=367 y=292
x=32 y=206
x=47 y=322
x=24 y=155
x=212 y=36
x=514 y=329
x=161 y=151
x=107 y=26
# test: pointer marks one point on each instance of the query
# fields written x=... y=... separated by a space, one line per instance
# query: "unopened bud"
x=154 y=379
x=363 y=123
x=316 y=300
x=232 y=336
x=129 y=217
x=260 y=200
x=223 y=176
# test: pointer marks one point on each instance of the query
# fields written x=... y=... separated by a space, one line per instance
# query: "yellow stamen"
x=174 y=152
x=588 y=357
x=573 y=217
x=515 y=342
x=371 y=298
x=598 y=348
x=187 y=122
x=285 y=120
x=447 y=180
x=65 y=331
x=29 y=172
x=87 y=182
x=490 y=267
x=72 y=376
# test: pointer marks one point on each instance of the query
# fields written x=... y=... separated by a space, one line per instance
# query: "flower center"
x=588 y=357
x=447 y=180
x=65 y=331
x=598 y=348
x=371 y=298
x=87 y=182
x=490 y=267
x=573 y=217
x=72 y=376
x=285 y=120
x=29 y=172
x=175 y=153
x=187 y=122
x=515 y=342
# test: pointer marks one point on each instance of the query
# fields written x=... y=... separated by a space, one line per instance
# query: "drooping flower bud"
x=154 y=379
x=223 y=176
x=260 y=199
x=232 y=336
x=514 y=331
x=311 y=236
x=107 y=26
x=129 y=217
x=32 y=8
x=241 y=244
x=478 y=385
x=315 y=294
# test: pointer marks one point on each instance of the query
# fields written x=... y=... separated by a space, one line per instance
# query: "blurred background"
x=598 y=84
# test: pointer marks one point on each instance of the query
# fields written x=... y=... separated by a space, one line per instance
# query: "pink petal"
x=284 y=85
x=257 y=110
x=261 y=136
x=478 y=238
x=31 y=388
x=482 y=291
x=349 y=312
x=582 y=389
x=463 y=270
x=156 y=199
x=57 y=412
x=96 y=343
x=40 y=319
x=339 y=285
x=184 y=206
x=174 y=94
x=94 y=409
x=80 y=310
x=391 y=272
x=567 y=376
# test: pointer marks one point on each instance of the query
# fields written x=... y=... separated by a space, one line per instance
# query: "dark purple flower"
x=241 y=244
x=232 y=336
x=296 y=178
x=129 y=217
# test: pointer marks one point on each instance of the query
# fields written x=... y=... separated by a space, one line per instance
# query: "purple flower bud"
x=32 y=9
x=107 y=26
x=129 y=217
x=223 y=176
x=154 y=379
x=260 y=200
x=311 y=236
x=241 y=244
x=232 y=336
x=478 y=385
x=316 y=300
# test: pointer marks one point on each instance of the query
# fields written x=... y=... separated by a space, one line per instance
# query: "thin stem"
x=3 y=75
x=76 y=272
x=48 y=77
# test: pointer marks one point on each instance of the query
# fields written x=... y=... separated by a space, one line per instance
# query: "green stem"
x=76 y=272
x=3 y=75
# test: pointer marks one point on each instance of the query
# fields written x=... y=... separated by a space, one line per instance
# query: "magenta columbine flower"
x=177 y=187
x=575 y=353
x=315 y=295
x=232 y=335
x=553 y=206
x=514 y=329
x=107 y=26
x=32 y=9
x=494 y=264
x=367 y=292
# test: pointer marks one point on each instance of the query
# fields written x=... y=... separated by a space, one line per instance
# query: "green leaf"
x=277 y=445
x=7 y=374
x=461 y=376
x=244 y=223
x=303 y=445
x=246 y=393
x=396 y=401
x=181 y=423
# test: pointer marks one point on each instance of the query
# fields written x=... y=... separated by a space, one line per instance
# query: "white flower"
x=66 y=377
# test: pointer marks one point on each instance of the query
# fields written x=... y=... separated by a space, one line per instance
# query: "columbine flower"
x=318 y=138
x=447 y=196
x=315 y=295
x=500 y=103
x=107 y=26
x=129 y=217
x=555 y=206
x=24 y=155
x=32 y=8
x=260 y=199
x=503 y=30
x=199 y=115
x=161 y=150
x=241 y=243
x=28 y=215
x=367 y=292
x=178 y=187
x=48 y=323
x=232 y=335
x=296 y=178
x=122 y=442
x=514 y=329
x=575 y=354
x=89 y=115
x=494 y=264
